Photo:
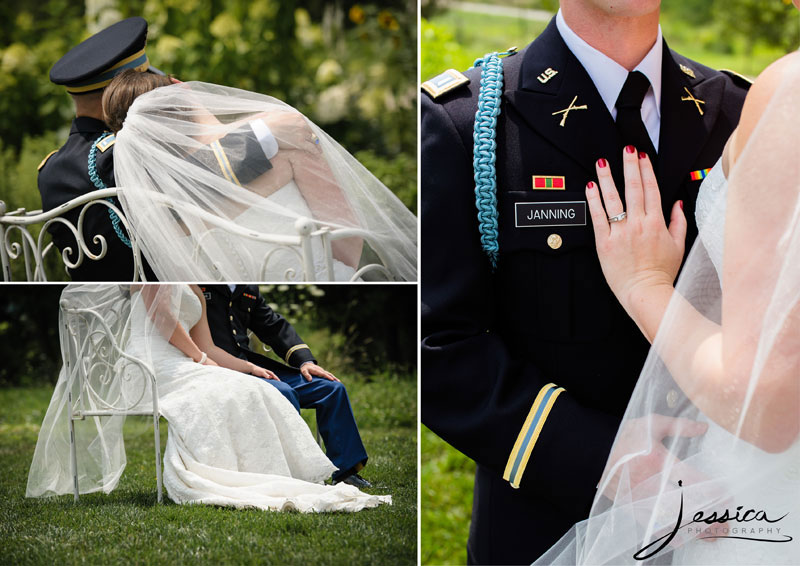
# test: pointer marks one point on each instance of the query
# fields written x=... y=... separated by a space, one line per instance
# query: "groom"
x=527 y=367
x=64 y=174
x=231 y=311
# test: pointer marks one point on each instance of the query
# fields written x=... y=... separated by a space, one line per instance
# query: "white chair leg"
x=73 y=453
x=158 y=454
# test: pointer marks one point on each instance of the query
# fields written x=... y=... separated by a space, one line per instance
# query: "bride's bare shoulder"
x=760 y=94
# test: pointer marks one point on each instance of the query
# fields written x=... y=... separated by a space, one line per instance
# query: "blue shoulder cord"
x=98 y=182
x=484 y=148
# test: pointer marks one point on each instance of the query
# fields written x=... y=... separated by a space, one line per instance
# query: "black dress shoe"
x=356 y=480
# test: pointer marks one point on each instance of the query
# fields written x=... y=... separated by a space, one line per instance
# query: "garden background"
x=365 y=334
x=351 y=67
x=741 y=35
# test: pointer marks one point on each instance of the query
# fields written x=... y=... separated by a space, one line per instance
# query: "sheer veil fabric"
x=727 y=354
x=204 y=171
x=233 y=439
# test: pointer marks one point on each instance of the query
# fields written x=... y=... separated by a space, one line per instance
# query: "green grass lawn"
x=129 y=527
x=446 y=501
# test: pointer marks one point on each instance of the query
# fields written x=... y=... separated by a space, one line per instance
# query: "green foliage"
x=455 y=39
x=18 y=189
x=446 y=477
x=127 y=526
x=349 y=67
x=363 y=329
x=29 y=343
x=744 y=35
x=398 y=172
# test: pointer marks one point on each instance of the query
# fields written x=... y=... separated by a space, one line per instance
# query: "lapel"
x=684 y=131
x=586 y=134
x=237 y=292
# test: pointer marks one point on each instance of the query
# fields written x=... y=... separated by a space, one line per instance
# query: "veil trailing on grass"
x=220 y=183
x=97 y=377
x=705 y=468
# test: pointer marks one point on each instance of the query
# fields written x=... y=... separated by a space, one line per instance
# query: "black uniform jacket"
x=231 y=314
x=65 y=176
x=492 y=341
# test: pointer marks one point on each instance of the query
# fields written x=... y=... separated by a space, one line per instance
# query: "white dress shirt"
x=609 y=76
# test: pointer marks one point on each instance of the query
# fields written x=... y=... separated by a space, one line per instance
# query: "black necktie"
x=629 y=114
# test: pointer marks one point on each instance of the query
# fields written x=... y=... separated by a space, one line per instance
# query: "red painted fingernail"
x=590 y=185
x=642 y=155
x=630 y=149
x=680 y=203
x=602 y=163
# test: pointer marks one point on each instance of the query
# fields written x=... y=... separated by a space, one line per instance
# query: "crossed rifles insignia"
x=569 y=109
x=691 y=98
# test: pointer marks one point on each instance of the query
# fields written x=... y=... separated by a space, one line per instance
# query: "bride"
x=705 y=468
x=233 y=440
x=217 y=182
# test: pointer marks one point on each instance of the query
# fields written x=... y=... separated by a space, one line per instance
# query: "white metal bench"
x=18 y=243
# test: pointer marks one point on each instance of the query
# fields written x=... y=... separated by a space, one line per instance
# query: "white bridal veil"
x=727 y=355
x=221 y=183
x=98 y=376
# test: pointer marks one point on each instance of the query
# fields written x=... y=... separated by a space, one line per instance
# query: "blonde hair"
x=123 y=90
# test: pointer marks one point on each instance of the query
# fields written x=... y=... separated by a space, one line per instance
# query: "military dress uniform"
x=230 y=315
x=64 y=174
x=528 y=368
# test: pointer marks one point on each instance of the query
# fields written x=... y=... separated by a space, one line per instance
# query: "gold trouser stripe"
x=527 y=438
x=293 y=349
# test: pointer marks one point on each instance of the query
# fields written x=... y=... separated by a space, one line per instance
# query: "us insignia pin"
x=547 y=75
x=687 y=71
x=447 y=81
x=548 y=183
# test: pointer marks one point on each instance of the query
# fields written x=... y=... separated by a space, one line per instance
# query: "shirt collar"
x=608 y=75
x=231 y=287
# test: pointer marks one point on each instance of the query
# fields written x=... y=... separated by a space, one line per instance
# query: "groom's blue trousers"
x=335 y=419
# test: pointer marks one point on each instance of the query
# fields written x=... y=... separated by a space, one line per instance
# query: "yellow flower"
x=387 y=21
x=356 y=14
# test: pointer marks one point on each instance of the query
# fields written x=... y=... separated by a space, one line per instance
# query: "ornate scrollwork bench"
x=93 y=361
x=19 y=244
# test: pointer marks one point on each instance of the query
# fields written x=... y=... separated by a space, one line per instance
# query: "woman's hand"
x=638 y=253
x=258 y=371
x=210 y=362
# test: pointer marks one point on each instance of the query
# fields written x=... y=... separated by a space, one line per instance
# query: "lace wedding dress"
x=233 y=439
x=283 y=260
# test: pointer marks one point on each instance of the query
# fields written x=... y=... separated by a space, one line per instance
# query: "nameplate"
x=542 y=214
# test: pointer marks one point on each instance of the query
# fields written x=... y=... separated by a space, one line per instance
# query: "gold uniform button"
x=231 y=317
x=230 y=304
x=234 y=332
x=554 y=241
